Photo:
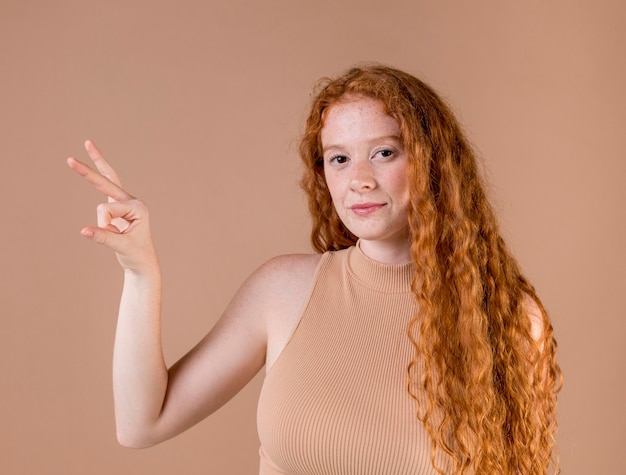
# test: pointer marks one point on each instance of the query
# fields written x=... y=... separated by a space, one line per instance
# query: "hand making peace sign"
x=123 y=223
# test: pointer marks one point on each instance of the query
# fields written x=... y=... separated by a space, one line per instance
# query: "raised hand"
x=123 y=223
x=153 y=403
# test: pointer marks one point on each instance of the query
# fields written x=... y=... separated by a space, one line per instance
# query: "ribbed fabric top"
x=336 y=402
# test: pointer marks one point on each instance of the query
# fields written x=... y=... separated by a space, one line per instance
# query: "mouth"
x=365 y=209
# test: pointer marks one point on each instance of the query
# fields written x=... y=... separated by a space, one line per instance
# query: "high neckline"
x=387 y=278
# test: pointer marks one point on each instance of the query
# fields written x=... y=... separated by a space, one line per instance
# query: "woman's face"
x=366 y=167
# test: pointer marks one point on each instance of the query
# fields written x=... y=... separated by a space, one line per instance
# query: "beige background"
x=199 y=105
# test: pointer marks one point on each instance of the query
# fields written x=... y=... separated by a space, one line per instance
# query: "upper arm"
x=231 y=354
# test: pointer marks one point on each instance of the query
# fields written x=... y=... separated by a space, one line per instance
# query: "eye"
x=384 y=153
x=339 y=159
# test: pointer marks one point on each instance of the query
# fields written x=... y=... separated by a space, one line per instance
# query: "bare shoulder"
x=280 y=286
x=289 y=270
x=287 y=281
x=276 y=278
x=536 y=317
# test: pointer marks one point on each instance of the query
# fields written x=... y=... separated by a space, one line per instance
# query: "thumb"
x=101 y=236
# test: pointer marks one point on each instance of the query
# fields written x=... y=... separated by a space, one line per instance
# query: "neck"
x=386 y=253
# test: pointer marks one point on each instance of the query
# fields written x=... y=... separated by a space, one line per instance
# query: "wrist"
x=148 y=274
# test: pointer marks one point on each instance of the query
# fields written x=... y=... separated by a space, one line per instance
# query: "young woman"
x=409 y=344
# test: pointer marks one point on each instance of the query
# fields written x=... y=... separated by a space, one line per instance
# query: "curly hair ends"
x=484 y=374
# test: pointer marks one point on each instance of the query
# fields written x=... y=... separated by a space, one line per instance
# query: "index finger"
x=99 y=181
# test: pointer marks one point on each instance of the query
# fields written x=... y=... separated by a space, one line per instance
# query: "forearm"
x=139 y=371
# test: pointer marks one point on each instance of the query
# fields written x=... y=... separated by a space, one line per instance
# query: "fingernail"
x=87 y=233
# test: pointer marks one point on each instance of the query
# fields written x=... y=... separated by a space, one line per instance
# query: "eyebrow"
x=375 y=139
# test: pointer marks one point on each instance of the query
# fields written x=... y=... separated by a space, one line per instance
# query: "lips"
x=365 y=209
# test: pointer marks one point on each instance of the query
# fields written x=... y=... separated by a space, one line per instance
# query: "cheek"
x=332 y=185
x=399 y=184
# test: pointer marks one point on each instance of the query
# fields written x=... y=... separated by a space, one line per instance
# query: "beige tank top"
x=335 y=402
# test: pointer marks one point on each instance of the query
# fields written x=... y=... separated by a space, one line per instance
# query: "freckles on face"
x=365 y=166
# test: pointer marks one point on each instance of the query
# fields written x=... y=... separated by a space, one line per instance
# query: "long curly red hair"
x=484 y=375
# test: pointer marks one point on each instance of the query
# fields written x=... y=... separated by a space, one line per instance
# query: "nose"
x=362 y=176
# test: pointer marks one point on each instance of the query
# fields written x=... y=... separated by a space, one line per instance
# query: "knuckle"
x=140 y=204
x=99 y=237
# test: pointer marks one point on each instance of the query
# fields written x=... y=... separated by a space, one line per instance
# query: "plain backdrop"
x=199 y=106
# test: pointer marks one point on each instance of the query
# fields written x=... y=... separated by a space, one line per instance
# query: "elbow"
x=134 y=439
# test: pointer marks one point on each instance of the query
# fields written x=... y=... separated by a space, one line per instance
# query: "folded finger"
x=109 y=219
x=118 y=216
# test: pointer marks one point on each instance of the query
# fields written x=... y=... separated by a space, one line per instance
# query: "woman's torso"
x=335 y=399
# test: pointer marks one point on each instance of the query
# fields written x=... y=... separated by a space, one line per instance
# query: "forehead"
x=356 y=116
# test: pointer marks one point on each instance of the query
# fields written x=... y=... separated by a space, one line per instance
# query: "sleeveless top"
x=336 y=401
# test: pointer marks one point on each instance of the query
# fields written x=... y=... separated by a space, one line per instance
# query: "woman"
x=410 y=343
